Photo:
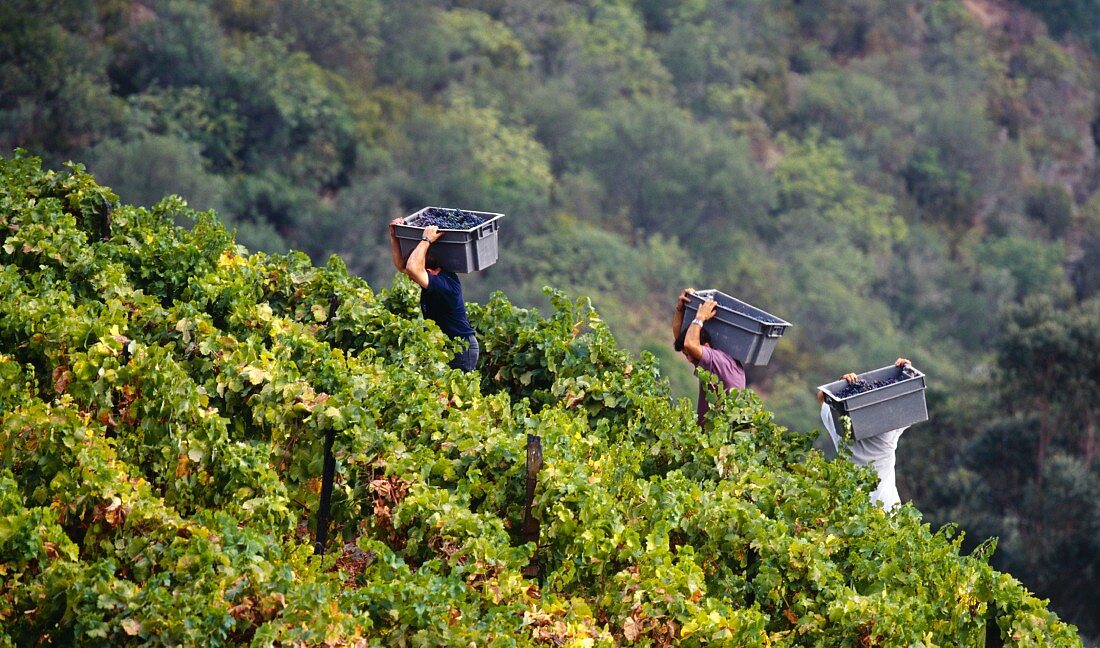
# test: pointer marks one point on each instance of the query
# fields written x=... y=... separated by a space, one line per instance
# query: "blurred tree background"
x=915 y=178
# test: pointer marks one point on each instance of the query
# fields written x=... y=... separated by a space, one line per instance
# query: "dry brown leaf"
x=131 y=627
x=630 y=629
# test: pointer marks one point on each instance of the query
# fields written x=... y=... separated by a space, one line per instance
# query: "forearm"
x=414 y=267
x=677 y=323
x=691 y=342
x=395 y=254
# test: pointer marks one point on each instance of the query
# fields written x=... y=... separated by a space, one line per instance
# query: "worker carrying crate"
x=431 y=246
x=867 y=413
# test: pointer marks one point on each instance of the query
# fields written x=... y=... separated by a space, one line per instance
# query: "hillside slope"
x=163 y=401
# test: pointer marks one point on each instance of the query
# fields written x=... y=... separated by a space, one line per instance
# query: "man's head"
x=704 y=339
x=431 y=261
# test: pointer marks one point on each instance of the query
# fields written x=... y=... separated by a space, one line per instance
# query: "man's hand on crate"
x=706 y=310
x=432 y=233
x=400 y=220
x=683 y=299
x=901 y=362
x=678 y=318
x=851 y=377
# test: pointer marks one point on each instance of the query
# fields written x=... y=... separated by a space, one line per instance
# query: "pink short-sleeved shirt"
x=728 y=370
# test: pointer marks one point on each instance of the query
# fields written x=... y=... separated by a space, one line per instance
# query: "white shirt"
x=877 y=452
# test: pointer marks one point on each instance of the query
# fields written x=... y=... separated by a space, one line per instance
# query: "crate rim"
x=779 y=321
x=495 y=216
x=830 y=396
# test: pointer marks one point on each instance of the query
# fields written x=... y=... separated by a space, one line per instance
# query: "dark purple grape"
x=861 y=385
x=446 y=219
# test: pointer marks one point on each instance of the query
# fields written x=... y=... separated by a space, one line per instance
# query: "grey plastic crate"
x=875 y=411
x=741 y=330
x=467 y=250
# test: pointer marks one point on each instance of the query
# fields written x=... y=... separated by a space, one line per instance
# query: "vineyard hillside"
x=164 y=400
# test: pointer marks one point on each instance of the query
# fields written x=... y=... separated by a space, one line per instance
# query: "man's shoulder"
x=721 y=364
x=444 y=280
x=717 y=357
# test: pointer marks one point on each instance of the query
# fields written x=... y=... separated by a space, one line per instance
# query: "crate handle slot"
x=487 y=229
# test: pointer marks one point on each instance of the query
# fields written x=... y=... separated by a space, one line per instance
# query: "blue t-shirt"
x=442 y=303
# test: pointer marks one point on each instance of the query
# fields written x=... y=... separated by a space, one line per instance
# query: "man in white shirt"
x=877 y=451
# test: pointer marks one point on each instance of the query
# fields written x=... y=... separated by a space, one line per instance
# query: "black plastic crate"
x=467 y=250
x=897 y=405
x=744 y=331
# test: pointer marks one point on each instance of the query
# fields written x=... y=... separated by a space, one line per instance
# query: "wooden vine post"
x=105 y=221
x=328 y=472
x=530 y=529
x=327 y=476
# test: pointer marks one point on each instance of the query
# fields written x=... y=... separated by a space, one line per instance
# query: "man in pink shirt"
x=694 y=342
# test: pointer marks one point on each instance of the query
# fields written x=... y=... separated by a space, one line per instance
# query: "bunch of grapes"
x=861 y=385
x=446 y=219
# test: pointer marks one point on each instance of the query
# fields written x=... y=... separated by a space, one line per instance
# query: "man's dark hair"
x=431 y=262
x=704 y=338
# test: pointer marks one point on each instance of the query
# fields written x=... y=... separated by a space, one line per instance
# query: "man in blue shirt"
x=440 y=293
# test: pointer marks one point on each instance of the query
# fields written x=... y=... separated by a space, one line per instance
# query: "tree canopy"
x=895 y=179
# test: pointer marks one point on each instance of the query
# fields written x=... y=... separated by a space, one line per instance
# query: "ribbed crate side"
x=467 y=250
x=745 y=332
x=880 y=410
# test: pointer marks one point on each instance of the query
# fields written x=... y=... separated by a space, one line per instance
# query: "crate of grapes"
x=469 y=241
x=745 y=332
x=879 y=401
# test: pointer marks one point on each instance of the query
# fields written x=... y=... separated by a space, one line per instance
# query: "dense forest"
x=913 y=178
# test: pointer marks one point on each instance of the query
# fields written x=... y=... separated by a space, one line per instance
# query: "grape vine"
x=164 y=396
x=862 y=385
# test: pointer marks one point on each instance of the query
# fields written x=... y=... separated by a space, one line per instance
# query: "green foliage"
x=1084 y=267
x=846 y=104
x=166 y=396
x=46 y=55
x=142 y=167
x=1048 y=361
x=294 y=107
x=1069 y=16
x=814 y=183
x=337 y=35
x=196 y=115
x=611 y=58
x=888 y=176
x=849 y=28
x=475 y=160
x=581 y=259
x=948 y=194
x=477 y=44
x=683 y=178
x=1029 y=476
x=1050 y=205
x=179 y=45
x=1034 y=265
